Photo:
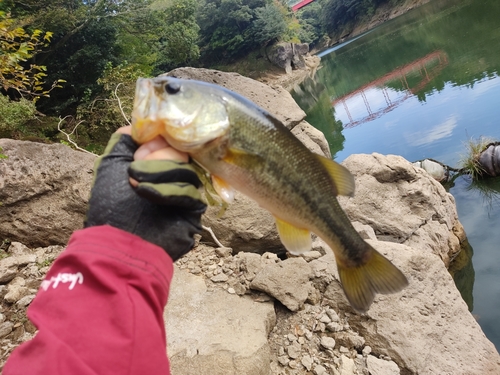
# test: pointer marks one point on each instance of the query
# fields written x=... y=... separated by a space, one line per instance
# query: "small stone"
x=231 y=291
x=221 y=277
x=291 y=337
x=293 y=351
x=366 y=350
x=307 y=362
x=6 y=328
x=333 y=315
x=15 y=290
x=293 y=364
x=196 y=270
x=17 y=248
x=319 y=370
x=310 y=255
x=327 y=342
x=308 y=334
x=7 y=275
x=334 y=327
x=346 y=365
x=283 y=360
x=343 y=349
x=325 y=319
x=224 y=252
x=378 y=366
x=25 y=301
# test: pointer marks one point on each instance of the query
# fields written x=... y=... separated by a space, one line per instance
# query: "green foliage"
x=232 y=28
x=310 y=20
x=178 y=36
x=14 y=115
x=102 y=114
x=17 y=46
x=336 y=14
x=269 y=24
x=2 y=156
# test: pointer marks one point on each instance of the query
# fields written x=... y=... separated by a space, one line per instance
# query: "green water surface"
x=421 y=86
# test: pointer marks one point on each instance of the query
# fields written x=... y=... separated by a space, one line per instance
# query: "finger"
x=168 y=153
x=147 y=148
x=125 y=130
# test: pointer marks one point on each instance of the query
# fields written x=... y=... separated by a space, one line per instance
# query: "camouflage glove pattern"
x=165 y=208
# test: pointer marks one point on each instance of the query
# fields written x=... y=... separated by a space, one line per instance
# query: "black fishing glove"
x=164 y=209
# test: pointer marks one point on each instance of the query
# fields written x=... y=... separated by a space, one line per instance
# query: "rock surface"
x=216 y=332
x=43 y=191
x=287 y=55
x=403 y=204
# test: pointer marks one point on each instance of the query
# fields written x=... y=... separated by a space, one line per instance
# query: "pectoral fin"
x=295 y=240
x=242 y=158
x=343 y=179
x=223 y=189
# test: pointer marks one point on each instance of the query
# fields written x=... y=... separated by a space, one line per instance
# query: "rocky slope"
x=247 y=308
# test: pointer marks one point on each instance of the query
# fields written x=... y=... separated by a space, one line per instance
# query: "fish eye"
x=172 y=88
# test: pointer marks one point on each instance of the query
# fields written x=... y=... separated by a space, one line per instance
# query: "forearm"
x=100 y=309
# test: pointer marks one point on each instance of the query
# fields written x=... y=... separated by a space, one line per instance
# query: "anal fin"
x=223 y=189
x=296 y=240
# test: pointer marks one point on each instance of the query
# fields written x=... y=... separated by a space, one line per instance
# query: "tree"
x=269 y=24
x=232 y=28
x=17 y=47
x=178 y=35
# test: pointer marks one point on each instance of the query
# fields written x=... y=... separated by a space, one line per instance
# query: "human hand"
x=154 y=197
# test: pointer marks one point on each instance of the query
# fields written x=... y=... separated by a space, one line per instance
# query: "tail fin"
x=377 y=275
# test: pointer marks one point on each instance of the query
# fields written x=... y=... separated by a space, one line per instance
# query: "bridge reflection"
x=425 y=69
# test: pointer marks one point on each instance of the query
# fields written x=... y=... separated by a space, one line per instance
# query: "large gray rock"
x=43 y=190
x=244 y=226
x=403 y=204
x=426 y=328
x=288 y=56
x=276 y=100
x=214 y=332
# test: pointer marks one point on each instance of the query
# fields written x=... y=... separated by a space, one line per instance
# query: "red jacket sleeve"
x=99 y=309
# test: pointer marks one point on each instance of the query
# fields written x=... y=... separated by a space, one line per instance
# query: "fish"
x=245 y=148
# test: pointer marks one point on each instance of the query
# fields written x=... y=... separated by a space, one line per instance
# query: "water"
x=421 y=86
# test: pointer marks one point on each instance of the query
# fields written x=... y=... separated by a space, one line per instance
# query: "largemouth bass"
x=245 y=148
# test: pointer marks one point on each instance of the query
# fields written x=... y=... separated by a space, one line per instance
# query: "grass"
x=470 y=162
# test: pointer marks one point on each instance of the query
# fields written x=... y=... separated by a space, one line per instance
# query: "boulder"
x=43 y=190
x=426 y=328
x=214 y=332
x=276 y=100
x=403 y=204
x=244 y=226
x=288 y=56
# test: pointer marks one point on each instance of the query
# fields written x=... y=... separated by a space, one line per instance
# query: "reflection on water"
x=421 y=86
x=384 y=94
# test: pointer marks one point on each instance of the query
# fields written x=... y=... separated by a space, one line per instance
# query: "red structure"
x=428 y=66
x=302 y=4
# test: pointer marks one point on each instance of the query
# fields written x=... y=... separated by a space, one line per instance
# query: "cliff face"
x=240 y=309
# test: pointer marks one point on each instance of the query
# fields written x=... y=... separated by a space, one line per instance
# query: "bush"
x=14 y=115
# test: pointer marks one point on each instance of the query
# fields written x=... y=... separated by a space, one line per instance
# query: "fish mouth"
x=145 y=122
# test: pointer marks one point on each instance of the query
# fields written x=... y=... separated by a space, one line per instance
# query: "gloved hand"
x=163 y=207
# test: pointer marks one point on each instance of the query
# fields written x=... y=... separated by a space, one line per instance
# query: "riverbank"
x=384 y=13
x=276 y=76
